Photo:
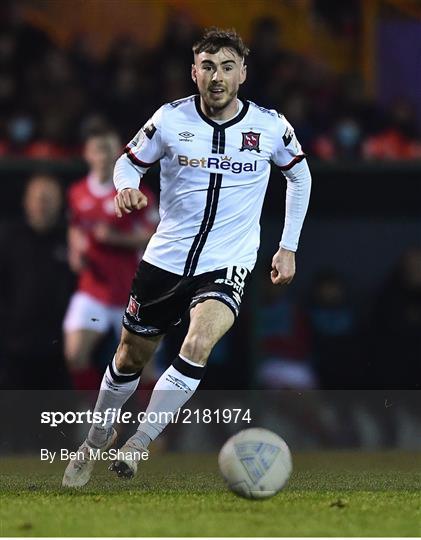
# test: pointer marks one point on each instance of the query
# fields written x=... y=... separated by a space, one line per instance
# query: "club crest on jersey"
x=251 y=141
x=133 y=308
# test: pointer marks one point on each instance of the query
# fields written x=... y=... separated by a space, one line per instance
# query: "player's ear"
x=193 y=73
x=243 y=73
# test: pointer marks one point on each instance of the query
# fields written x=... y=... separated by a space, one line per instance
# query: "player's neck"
x=102 y=177
x=100 y=186
x=224 y=114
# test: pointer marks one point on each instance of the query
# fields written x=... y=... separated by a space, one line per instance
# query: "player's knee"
x=76 y=357
x=131 y=356
x=197 y=348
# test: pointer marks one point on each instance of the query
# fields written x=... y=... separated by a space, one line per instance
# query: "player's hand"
x=103 y=233
x=78 y=245
x=283 y=267
x=77 y=261
x=129 y=199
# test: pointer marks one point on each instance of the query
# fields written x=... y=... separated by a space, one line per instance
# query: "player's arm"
x=132 y=240
x=77 y=241
x=143 y=228
x=289 y=156
x=297 y=199
x=145 y=149
x=77 y=246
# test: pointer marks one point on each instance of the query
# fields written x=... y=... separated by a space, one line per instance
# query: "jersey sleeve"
x=287 y=150
x=143 y=151
x=146 y=147
x=296 y=204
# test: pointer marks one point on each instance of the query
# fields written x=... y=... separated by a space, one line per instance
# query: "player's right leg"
x=149 y=314
x=120 y=380
x=85 y=324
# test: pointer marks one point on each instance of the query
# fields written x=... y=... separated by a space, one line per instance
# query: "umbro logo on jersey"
x=186 y=136
x=251 y=141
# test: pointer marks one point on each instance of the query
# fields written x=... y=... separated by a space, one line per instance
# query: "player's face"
x=101 y=153
x=218 y=77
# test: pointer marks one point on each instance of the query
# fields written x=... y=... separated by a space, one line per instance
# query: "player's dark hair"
x=215 y=39
x=99 y=132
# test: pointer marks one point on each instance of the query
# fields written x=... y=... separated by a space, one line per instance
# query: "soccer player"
x=104 y=252
x=215 y=152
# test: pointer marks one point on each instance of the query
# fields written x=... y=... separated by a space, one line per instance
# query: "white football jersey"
x=213 y=182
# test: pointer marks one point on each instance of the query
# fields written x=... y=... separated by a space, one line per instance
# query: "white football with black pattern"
x=256 y=463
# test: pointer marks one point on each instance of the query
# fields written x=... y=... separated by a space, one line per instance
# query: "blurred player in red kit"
x=104 y=251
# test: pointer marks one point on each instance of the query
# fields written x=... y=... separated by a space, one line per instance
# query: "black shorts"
x=159 y=299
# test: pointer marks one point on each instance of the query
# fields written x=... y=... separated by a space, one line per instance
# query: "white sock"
x=115 y=390
x=172 y=390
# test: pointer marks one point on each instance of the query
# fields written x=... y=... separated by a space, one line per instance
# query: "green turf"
x=329 y=494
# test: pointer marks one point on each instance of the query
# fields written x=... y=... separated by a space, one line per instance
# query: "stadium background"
x=347 y=76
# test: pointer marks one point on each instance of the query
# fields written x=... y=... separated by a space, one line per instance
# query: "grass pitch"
x=329 y=494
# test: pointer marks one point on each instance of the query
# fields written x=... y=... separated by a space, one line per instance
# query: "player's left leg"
x=209 y=321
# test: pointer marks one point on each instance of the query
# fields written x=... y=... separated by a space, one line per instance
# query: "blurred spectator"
x=35 y=286
x=29 y=44
x=334 y=332
x=128 y=91
x=178 y=38
x=399 y=137
x=104 y=251
x=265 y=53
x=284 y=342
x=296 y=108
x=175 y=57
x=342 y=18
x=20 y=130
x=331 y=113
x=343 y=143
x=89 y=71
x=395 y=327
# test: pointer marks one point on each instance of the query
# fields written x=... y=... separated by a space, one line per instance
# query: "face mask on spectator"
x=348 y=134
x=21 y=129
